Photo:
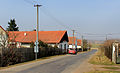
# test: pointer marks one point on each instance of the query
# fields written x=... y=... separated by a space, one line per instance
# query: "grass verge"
x=104 y=72
x=100 y=59
x=113 y=68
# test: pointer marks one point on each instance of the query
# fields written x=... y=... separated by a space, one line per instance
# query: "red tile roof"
x=79 y=42
x=71 y=41
x=30 y=36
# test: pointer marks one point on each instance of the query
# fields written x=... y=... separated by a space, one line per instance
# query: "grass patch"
x=100 y=59
x=111 y=68
x=104 y=72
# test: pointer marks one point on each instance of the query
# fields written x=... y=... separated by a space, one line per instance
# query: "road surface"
x=65 y=64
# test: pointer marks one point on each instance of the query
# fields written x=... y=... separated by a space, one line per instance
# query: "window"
x=61 y=46
x=65 y=46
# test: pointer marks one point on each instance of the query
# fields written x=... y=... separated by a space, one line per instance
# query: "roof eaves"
x=3 y=29
x=62 y=36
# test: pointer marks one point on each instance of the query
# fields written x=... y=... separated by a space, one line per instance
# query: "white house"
x=24 y=38
x=76 y=44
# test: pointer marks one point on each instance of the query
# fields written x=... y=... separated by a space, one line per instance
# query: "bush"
x=47 y=50
x=32 y=45
x=10 y=57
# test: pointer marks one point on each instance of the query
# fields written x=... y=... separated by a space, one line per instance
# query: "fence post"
x=115 y=52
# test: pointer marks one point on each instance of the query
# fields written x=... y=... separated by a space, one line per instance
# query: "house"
x=25 y=38
x=79 y=42
x=3 y=37
x=76 y=44
x=71 y=44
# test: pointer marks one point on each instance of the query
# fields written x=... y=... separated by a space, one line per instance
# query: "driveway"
x=60 y=64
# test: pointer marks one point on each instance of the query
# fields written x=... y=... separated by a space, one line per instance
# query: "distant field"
x=96 y=45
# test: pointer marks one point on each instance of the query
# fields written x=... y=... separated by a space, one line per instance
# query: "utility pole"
x=82 y=43
x=88 y=45
x=106 y=37
x=37 y=31
x=73 y=39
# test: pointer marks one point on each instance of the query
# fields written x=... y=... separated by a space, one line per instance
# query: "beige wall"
x=3 y=37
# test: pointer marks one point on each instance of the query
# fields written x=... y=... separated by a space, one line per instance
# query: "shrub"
x=10 y=57
x=48 y=50
x=32 y=45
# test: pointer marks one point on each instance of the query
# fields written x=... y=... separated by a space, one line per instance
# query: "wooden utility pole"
x=73 y=39
x=37 y=31
x=82 y=43
x=106 y=37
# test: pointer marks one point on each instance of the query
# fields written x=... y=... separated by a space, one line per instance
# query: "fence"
x=112 y=50
x=28 y=54
x=107 y=48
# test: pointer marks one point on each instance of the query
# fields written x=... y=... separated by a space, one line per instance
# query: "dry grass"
x=100 y=59
x=104 y=72
x=112 y=68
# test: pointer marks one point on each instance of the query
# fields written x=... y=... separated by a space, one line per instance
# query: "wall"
x=70 y=46
x=64 y=46
x=3 y=37
x=78 y=46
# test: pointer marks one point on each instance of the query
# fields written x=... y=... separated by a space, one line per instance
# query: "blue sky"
x=85 y=16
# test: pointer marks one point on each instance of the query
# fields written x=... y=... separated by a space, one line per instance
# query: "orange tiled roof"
x=71 y=41
x=79 y=42
x=30 y=36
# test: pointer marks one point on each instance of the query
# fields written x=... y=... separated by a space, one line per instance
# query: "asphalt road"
x=62 y=65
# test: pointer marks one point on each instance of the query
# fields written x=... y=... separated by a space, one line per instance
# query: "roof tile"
x=30 y=36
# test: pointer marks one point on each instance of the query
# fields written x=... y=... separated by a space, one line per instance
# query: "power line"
x=94 y=36
x=49 y=14
x=30 y=2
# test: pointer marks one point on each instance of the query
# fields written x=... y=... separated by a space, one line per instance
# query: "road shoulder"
x=84 y=67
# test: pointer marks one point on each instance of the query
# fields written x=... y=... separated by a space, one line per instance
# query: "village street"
x=60 y=64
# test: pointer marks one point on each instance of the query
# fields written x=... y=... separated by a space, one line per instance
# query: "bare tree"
x=3 y=43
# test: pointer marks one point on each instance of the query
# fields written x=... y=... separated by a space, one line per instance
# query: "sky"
x=83 y=16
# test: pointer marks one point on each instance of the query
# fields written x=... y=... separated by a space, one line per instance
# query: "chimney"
x=25 y=34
